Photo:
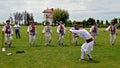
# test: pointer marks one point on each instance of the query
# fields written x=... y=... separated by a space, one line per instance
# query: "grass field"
x=54 y=56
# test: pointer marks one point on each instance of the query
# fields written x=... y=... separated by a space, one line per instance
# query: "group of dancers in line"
x=88 y=36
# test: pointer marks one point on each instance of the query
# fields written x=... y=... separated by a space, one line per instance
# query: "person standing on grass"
x=61 y=32
x=113 y=32
x=87 y=47
x=75 y=36
x=17 y=29
x=94 y=31
x=48 y=32
x=32 y=33
x=7 y=33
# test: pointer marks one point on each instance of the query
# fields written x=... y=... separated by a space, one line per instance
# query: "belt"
x=7 y=32
x=89 y=40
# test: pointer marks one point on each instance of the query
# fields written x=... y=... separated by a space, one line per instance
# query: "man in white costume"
x=87 y=47
x=8 y=33
x=61 y=32
x=94 y=31
x=48 y=32
x=75 y=36
x=32 y=31
x=113 y=32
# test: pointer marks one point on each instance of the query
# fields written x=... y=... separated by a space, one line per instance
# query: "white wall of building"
x=48 y=19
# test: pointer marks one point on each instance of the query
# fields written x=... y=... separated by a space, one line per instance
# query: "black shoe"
x=59 y=44
x=90 y=59
x=9 y=45
x=62 y=43
x=112 y=44
x=49 y=41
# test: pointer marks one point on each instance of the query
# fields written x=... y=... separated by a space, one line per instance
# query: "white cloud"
x=78 y=9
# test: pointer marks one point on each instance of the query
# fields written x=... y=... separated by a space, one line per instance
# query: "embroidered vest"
x=48 y=29
x=7 y=29
x=32 y=28
x=112 y=29
x=94 y=29
x=61 y=30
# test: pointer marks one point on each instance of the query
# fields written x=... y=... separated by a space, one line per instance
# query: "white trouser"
x=111 y=38
x=8 y=37
x=48 y=38
x=86 y=48
x=61 y=37
x=32 y=39
x=94 y=36
x=75 y=40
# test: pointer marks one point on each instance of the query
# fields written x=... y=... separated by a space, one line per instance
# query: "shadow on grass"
x=36 y=46
x=92 y=61
x=11 y=47
x=65 y=45
x=44 y=46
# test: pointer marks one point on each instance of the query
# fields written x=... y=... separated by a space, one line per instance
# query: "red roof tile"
x=48 y=10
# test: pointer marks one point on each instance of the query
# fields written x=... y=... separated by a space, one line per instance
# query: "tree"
x=98 y=22
x=29 y=18
x=23 y=17
x=18 y=17
x=90 y=21
x=84 y=23
x=87 y=23
x=60 y=15
x=69 y=23
x=11 y=18
x=101 y=22
x=115 y=20
x=107 y=23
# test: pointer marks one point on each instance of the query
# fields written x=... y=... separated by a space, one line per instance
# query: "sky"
x=77 y=9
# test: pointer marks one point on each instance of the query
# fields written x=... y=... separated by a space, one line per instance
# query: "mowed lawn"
x=54 y=56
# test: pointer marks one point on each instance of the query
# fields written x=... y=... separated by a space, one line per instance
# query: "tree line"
x=22 y=18
x=90 y=21
x=58 y=14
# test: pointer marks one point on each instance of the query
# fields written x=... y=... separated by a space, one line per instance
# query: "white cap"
x=3 y=50
x=9 y=54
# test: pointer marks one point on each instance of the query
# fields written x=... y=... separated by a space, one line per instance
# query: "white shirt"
x=83 y=33
x=92 y=28
x=30 y=28
x=47 y=28
x=17 y=26
x=74 y=34
x=4 y=29
x=108 y=28
x=58 y=29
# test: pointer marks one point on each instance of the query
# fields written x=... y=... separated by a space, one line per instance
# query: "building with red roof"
x=48 y=15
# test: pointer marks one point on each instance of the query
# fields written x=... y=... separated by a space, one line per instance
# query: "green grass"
x=54 y=56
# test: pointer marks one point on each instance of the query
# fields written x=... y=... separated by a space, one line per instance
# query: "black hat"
x=7 y=20
x=31 y=21
x=60 y=22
